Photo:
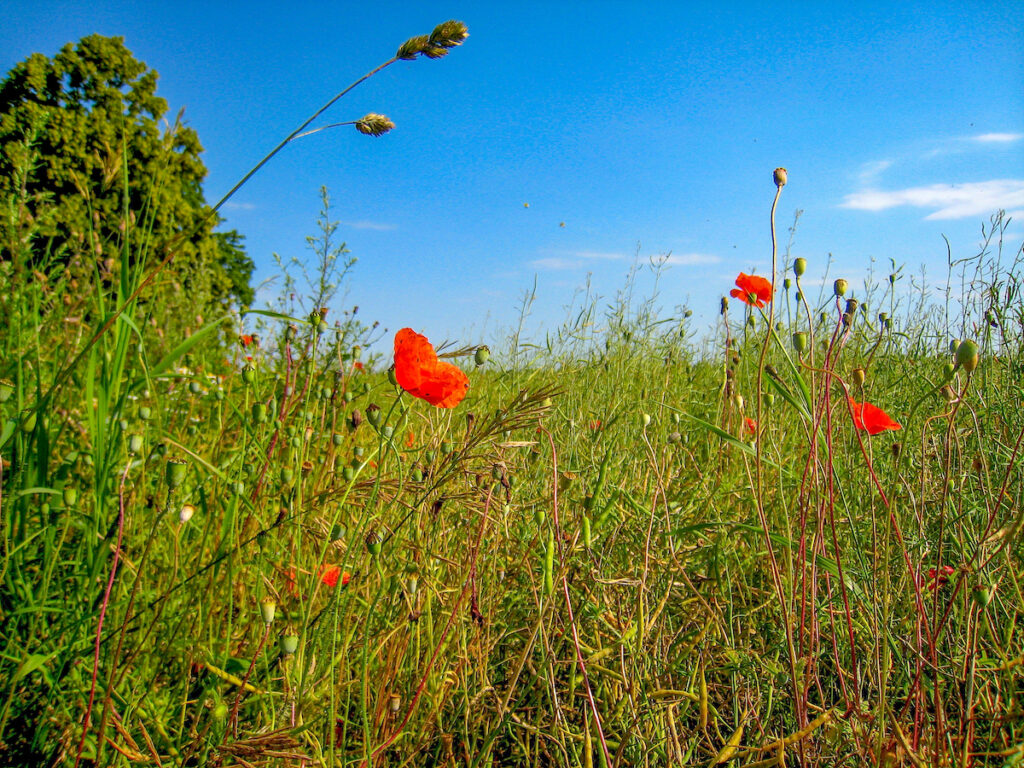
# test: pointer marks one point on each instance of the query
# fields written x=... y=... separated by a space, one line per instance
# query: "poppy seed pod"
x=947 y=371
x=289 y=644
x=175 y=473
x=787 y=284
x=839 y=287
x=286 y=475
x=858 y=376
x=135 y=444
x=259 y=412
x=374 y=543
x=725 y=306
x=851 y=306
x=780 y=177
x=185 y=513
x=967 y=355
x=249 y=374
x=799 y=267
x=482 y=355
x=373 y=414
x=70 y=497
x=800 y=342
x=145 y=413
x=267 y=610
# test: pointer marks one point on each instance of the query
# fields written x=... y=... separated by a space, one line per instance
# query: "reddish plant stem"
x=103 y=614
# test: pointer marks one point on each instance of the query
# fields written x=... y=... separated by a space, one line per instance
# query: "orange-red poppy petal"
x=422 y=375
x=871 y=418
x=752 y=289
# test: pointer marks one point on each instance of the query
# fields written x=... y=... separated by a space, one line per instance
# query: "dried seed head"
x=781 y=177
x=373 y=124
x=413 y=47
x=449 y=34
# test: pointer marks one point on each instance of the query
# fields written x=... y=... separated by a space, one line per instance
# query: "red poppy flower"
x=245 y=339
x=410 y=439
x=595 y=425
x=329 y=575
x=422 y=375
x=871 y=418
x=753 y=290
x=940 y=576
x=357 y=366
x=750 y=425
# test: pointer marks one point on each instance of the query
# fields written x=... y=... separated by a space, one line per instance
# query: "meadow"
x=795 y=540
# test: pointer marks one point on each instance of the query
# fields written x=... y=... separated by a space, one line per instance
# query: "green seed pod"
x=892 y=278
x=446 y=447
x=249 y=374
x=145 y=413
x=291 y=332
x=539 y=516
x=674 y=438
x=587 y=536
x=839 y=287
x=337 y=439
x=28 y=422
x=967 y=355
x=780 y=177
x=482 y=355
x=267 y=610
x=416 y=475
x=175 y=473
x=289 y=644
x=348 y=473
x=954 y=345
x=220 y=712
x=769 y=399
x=800 y=342
x=358 y=451
x=70 y=497
x=388 y=431
x=296 y=442
x=259 y=412
x=338 y=532
x=349 y=396
x=947 y=371
x=787 y=284
x=858 y=376
x=724 y=307
x=135 y=444
x=645 y=419
x=799 y=267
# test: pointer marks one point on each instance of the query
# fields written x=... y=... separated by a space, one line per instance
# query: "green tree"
x=88 y=177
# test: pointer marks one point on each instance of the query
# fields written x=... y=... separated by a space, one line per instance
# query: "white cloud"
x=872 y=170
x=556 y=263
x=691 y=259
x=364 y=224
x=603 y=255
x=947 y=201
x=992 y=138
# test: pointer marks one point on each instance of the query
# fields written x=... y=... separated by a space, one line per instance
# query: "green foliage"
x=88 y=178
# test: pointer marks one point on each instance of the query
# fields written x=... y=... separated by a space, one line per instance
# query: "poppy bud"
x=967 y=355
x=286 y=476
x=291 y=332
x=780 y=177
x=947 y=371
x=737 y=400
x=799 y=267
x=954 y=345
x=769 y=399
x=373 y=543
x=725 y=306
x=892 y=278
x=839 y=287
x=982 y=595
x=645 y=419
x=787 y=284
x=858 y=376
x=882 y=317
x=267 y=610
x=373 y=414
x=175 y=473
x=539 y=516
x=289 y=644
x=800 y=342
x=259 y=412
x=482 y=355
x=185 y=513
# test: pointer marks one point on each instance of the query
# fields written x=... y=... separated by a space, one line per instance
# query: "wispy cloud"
x=998 y=138
x=556 y=262
x=233 y=206
x=870 y=171
x=691 y=259
x=947 y=201
x=378 y=226
x=601 y=255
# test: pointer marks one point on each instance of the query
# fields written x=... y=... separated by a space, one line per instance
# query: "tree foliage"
x=89 y=176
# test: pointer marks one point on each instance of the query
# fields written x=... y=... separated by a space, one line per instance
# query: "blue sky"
x=646 y=129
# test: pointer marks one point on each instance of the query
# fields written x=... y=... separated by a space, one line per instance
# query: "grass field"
x=795 y=540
